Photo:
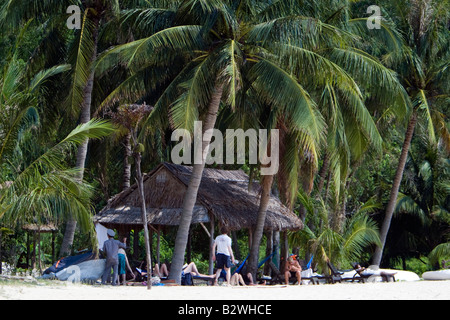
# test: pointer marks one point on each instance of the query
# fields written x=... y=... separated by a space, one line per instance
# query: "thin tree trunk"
x=1 y=257
x=395 y=188
x=85 y=117
x=126 y=178
x=322 y=173
x=266 y=185
x=190 y=197
x=140 y=182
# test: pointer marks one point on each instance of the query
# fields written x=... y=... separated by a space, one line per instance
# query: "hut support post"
x=39 y=250
x=135 y=244
x=1 y=252
x=276 y=248
x=53 y=246
x=28 y=250
x=33 y=256
x=158 y=246
x=211 y=244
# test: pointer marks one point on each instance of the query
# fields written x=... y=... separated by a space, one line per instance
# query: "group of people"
x=116 y=260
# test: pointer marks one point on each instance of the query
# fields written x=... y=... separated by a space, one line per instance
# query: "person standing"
x=111 y=252
x=224 y=255
x=123 y=266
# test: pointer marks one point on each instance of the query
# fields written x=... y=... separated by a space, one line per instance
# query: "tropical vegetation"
x=362 y=115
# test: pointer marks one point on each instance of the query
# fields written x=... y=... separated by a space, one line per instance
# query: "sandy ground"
x=418 y=290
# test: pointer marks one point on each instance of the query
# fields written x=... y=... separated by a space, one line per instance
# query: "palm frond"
x=439 y=253
x=141 y=52
x=41 y=77
x=47 y=186
x=276 y=87
x=380 y=81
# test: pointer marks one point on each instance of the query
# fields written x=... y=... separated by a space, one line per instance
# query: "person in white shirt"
x=224 y=256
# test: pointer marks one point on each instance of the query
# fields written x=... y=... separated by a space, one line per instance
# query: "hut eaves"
x=223 y=194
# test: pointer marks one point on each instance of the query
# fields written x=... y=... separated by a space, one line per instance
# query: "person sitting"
x=246 y=280
x=293 y=267
x=161 y=272
x=192 y=268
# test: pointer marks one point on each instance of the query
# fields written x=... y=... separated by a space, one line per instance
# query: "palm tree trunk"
x=85 y=117
x=190 y=197
x=266 y=185
x=395 y=188
x=322 y=173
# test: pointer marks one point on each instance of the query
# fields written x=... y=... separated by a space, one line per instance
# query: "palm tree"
x=95 y=16
x=421 y=62
x=46 y=185
x=218 y=61
x=331 y=70
x=229 y=50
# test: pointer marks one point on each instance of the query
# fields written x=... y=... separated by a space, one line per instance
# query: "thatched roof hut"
x=223 y=197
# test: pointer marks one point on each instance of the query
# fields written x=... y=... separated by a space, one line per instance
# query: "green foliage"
x=340 y=94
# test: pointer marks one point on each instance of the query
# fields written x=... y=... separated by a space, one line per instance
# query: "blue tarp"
x=69 y=261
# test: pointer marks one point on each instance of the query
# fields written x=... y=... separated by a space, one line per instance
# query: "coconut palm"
x=95 y=15
x=421 y=62
x=232 y=54
x=45 y=186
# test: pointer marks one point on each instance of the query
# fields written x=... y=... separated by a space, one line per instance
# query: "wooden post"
x=158 y=246
x=53 y=246
x=1 y=251
x=28 y=249
x=33 y=256
x=276 y=247
x=135 y=244
x=211 y=244
x=39 y=249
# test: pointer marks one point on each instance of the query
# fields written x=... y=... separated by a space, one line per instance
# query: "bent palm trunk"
x=395 y=188
x=190 y=197
x=266 y=185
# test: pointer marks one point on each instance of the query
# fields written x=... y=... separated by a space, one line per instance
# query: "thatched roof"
x=42 y=228
x=223 y=194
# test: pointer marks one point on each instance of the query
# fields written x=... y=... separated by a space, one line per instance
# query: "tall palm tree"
x=95 y=15
x=245 y=52
x=46 y=185
x=331 y=70
x=422 y=64
x=221 y=53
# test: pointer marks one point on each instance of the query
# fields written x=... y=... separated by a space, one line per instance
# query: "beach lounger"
x=338 y=275
x=363 y=276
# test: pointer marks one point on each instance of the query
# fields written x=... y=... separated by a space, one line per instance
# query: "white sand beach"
x=416 y=290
